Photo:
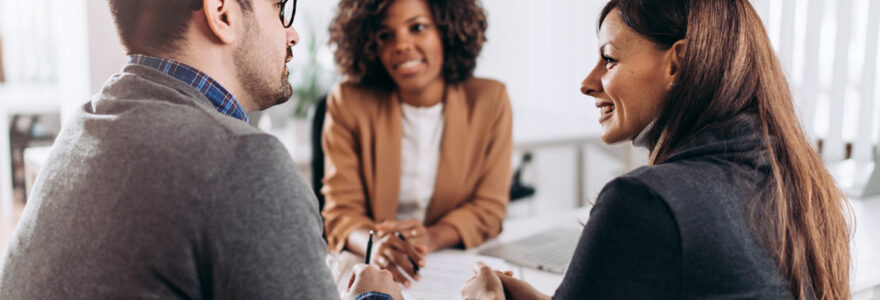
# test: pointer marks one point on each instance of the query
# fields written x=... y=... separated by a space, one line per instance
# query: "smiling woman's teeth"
x=607 y=109
x=408 y=65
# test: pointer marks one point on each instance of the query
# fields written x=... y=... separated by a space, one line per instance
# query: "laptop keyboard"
x=549 y=250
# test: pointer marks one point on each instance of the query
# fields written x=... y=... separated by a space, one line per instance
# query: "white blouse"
x=420 y=145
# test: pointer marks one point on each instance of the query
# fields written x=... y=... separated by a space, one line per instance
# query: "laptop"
x=550 y=250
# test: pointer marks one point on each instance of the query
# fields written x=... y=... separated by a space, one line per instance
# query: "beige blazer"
x=362 y=144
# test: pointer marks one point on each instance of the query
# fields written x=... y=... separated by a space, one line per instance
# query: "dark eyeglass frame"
x=281 y=15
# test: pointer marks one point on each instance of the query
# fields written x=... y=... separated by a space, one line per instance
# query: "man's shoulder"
x=170 y=122
x=153 y=122
x=153 y=102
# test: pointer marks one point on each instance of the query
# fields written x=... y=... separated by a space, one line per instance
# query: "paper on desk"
x=445 y=272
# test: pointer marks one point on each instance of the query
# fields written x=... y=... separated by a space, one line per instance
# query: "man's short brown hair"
x=155 y=26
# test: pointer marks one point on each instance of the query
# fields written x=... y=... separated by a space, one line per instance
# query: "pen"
x=415 y=266
x=369 y=248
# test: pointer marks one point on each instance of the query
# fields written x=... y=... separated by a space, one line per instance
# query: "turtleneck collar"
x=643 y=139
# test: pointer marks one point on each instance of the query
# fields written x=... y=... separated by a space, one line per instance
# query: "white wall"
x=106 y=55
x=91 y=50
x=541 y=52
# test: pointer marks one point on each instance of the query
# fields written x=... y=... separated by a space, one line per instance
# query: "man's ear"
x=676 y=55
x=223 y=17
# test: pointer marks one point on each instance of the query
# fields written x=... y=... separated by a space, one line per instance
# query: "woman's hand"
x=412 y=230
x=490 y=284
x=366 y=278
x=438 y=236
x=485 y=285
x=517 y=289
x=394 y=254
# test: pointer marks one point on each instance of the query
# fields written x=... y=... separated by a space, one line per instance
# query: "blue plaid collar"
x=223 y=101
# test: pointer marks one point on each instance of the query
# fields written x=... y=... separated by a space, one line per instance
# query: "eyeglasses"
x=288 y=11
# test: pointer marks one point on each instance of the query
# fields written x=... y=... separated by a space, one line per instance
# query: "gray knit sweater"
x=149 y=193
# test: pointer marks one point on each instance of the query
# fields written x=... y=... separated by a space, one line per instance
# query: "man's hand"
x=366 y=278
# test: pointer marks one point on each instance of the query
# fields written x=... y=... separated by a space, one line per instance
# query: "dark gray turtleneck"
x=680 y=229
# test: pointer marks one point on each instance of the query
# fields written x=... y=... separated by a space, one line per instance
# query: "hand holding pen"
x=369 y=248
x=412 y=230
x=392 y=252
x=411 y=261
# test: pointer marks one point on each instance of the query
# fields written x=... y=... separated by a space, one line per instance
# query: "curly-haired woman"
x=414 y=143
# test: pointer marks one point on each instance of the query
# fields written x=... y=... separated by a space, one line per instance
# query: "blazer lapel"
x=386 y=148
x=453 y=150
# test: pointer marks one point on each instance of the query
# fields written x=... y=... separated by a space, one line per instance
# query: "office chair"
x=518 y=190
x=318 y=149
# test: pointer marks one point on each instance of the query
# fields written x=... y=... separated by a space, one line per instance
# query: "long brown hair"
x=729 y=68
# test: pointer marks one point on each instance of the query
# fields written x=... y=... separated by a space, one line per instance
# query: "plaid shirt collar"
x=223 y=101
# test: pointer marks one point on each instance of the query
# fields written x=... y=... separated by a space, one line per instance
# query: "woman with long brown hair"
x=735 y=202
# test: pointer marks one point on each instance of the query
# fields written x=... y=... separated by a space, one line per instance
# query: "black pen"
x=369 y=248
x=415 y=266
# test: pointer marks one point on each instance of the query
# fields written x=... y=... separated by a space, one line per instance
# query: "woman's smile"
x=409 y=67
x=606 y=110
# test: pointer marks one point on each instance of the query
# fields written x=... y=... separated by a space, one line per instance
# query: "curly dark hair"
x=461 y=24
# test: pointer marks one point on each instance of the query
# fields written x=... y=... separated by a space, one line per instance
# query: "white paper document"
x=445 y=272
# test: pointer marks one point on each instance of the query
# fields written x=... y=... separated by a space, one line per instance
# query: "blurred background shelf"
x=22 y=107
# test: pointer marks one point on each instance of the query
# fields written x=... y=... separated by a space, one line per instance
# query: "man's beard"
x=254 y=69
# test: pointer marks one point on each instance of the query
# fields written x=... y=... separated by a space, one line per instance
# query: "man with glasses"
x=160 y=188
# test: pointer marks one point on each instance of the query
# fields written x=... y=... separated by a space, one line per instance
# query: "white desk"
x=865 y=249
x=546 y=282
x=865 y=245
